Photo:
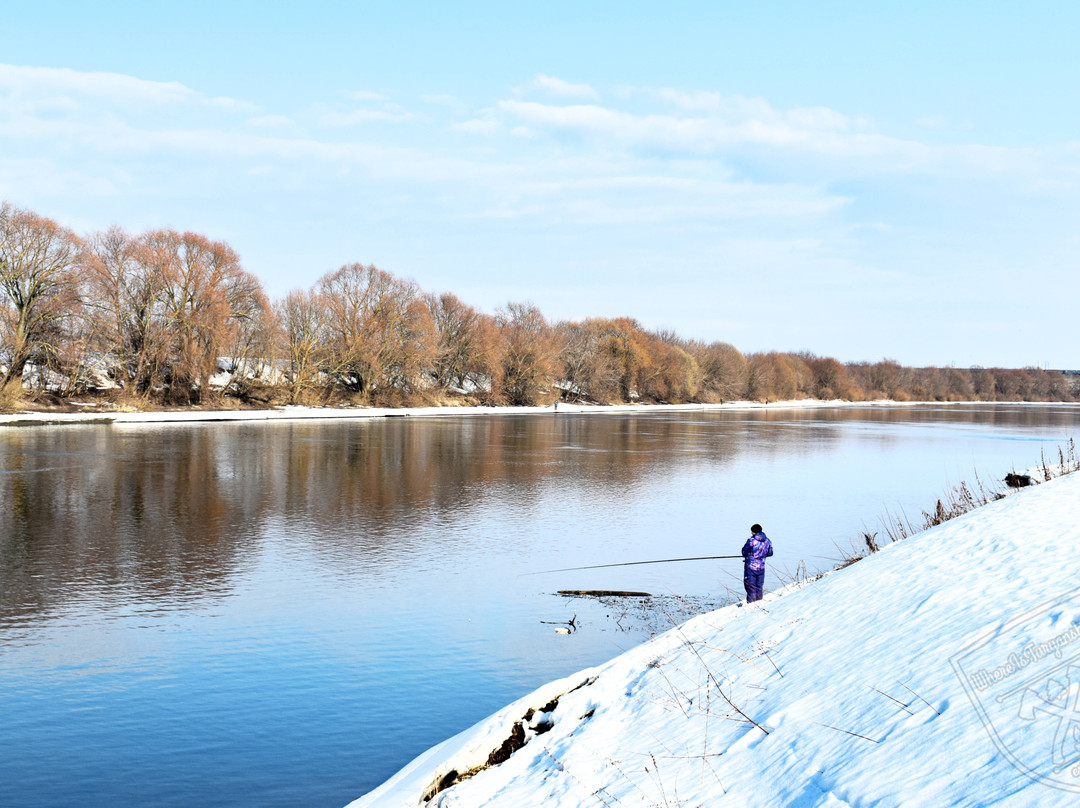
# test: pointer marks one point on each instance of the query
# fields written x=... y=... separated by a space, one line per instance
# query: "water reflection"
x=165 y=512
x=357 y=591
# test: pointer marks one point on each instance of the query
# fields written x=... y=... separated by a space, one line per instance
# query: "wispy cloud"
x=45 y=86
x=729 y=123
x=477 y=126
x=730 y=196
x=270 y=121
x=364 y=115
x=562 y=89
x=369 y=106
x=365 y=95
x=447 y=101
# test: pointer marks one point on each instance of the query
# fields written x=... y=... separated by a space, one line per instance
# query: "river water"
x=285 y=614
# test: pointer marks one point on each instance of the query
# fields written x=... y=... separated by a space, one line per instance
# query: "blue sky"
x=861 y=180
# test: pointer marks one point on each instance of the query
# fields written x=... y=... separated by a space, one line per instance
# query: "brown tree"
x=672 y=375
x=468 y=353
x=723 y=371
x=302 y=323
x=531 y=350
x=829 y=378
x=381 y=334
x=125 y=299
x=630 y=346
x=251 y=336
x=39 y=263
x=777 y=376
x=204 y=296
x=589 y=368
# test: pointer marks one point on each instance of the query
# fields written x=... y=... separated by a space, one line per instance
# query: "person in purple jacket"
x=754 y=552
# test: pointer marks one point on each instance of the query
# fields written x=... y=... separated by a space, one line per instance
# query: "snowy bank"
x=943 y=670
x=292 y=413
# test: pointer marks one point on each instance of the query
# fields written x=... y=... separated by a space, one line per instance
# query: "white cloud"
x=112 y=86
x=270 y=121
x=562 y=89
x=365 y=95
x=358 y=116
x=450 y=102
x=477 y=126
x=686 y=99
x=371 y=107
x=733 y=124
x=933 y=122
x=47 y=86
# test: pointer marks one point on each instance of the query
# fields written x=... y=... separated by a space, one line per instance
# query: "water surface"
x=284 y=614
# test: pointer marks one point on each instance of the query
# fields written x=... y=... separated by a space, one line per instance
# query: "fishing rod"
x=635 y=563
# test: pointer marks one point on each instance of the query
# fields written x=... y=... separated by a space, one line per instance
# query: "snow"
x=942 y=670
x=291 y=413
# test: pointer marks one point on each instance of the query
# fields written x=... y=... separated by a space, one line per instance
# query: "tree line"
x=171 y=318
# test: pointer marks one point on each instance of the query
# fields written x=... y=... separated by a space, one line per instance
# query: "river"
x=284 y=614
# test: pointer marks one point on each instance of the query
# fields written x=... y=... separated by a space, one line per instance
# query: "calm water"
x=285 y=614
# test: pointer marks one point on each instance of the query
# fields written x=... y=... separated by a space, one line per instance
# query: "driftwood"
x=602 y=593
x=568 y=627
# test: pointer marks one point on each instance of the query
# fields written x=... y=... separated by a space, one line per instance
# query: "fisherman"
x=754 y=552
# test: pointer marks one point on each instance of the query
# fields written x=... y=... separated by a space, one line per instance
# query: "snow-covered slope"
x=944 y=670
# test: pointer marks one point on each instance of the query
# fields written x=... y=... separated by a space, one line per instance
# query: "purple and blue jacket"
x=755 y=551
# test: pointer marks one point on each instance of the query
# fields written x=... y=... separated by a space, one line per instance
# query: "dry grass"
x=959 y=500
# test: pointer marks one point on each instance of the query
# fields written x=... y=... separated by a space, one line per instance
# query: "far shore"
x=296 y=413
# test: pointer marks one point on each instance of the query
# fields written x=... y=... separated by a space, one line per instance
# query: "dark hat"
x=755 y=528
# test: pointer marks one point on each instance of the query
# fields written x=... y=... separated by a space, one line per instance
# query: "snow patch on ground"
x=293 y=413
x=942 y=670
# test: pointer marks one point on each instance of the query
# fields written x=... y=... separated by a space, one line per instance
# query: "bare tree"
x=380 y=331
x=201 y=296
x=252 y=334
x=589 y=367
x=531 y=352
x=125 y=302
x=776 y=376
x=468 y=348
x=302 y=325
x=829 y=378
x=39 y=281
x=723 y=371
x=673 y=374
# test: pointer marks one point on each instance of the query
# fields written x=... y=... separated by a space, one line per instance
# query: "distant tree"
x=830 y=379
x=1011 y=385
x=776 y=376
x=531 y=351
x=1047 y=385
x=204 y=298
x=630 y=347
x=612 y=359
x=126 y=302
x=381 y=333
x=877 y=380
x=468 y=353
x=590 y=370
x=302 y=325
x=982 y=383
x=723 y=370
x=672 y=375
x=958 y=386
x=39 y=276
x=251 y=335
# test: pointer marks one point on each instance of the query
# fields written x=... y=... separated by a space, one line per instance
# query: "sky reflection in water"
x=241 y=614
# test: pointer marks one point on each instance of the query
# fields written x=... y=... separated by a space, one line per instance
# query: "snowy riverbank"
x=943 y=670
x=290 y=413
